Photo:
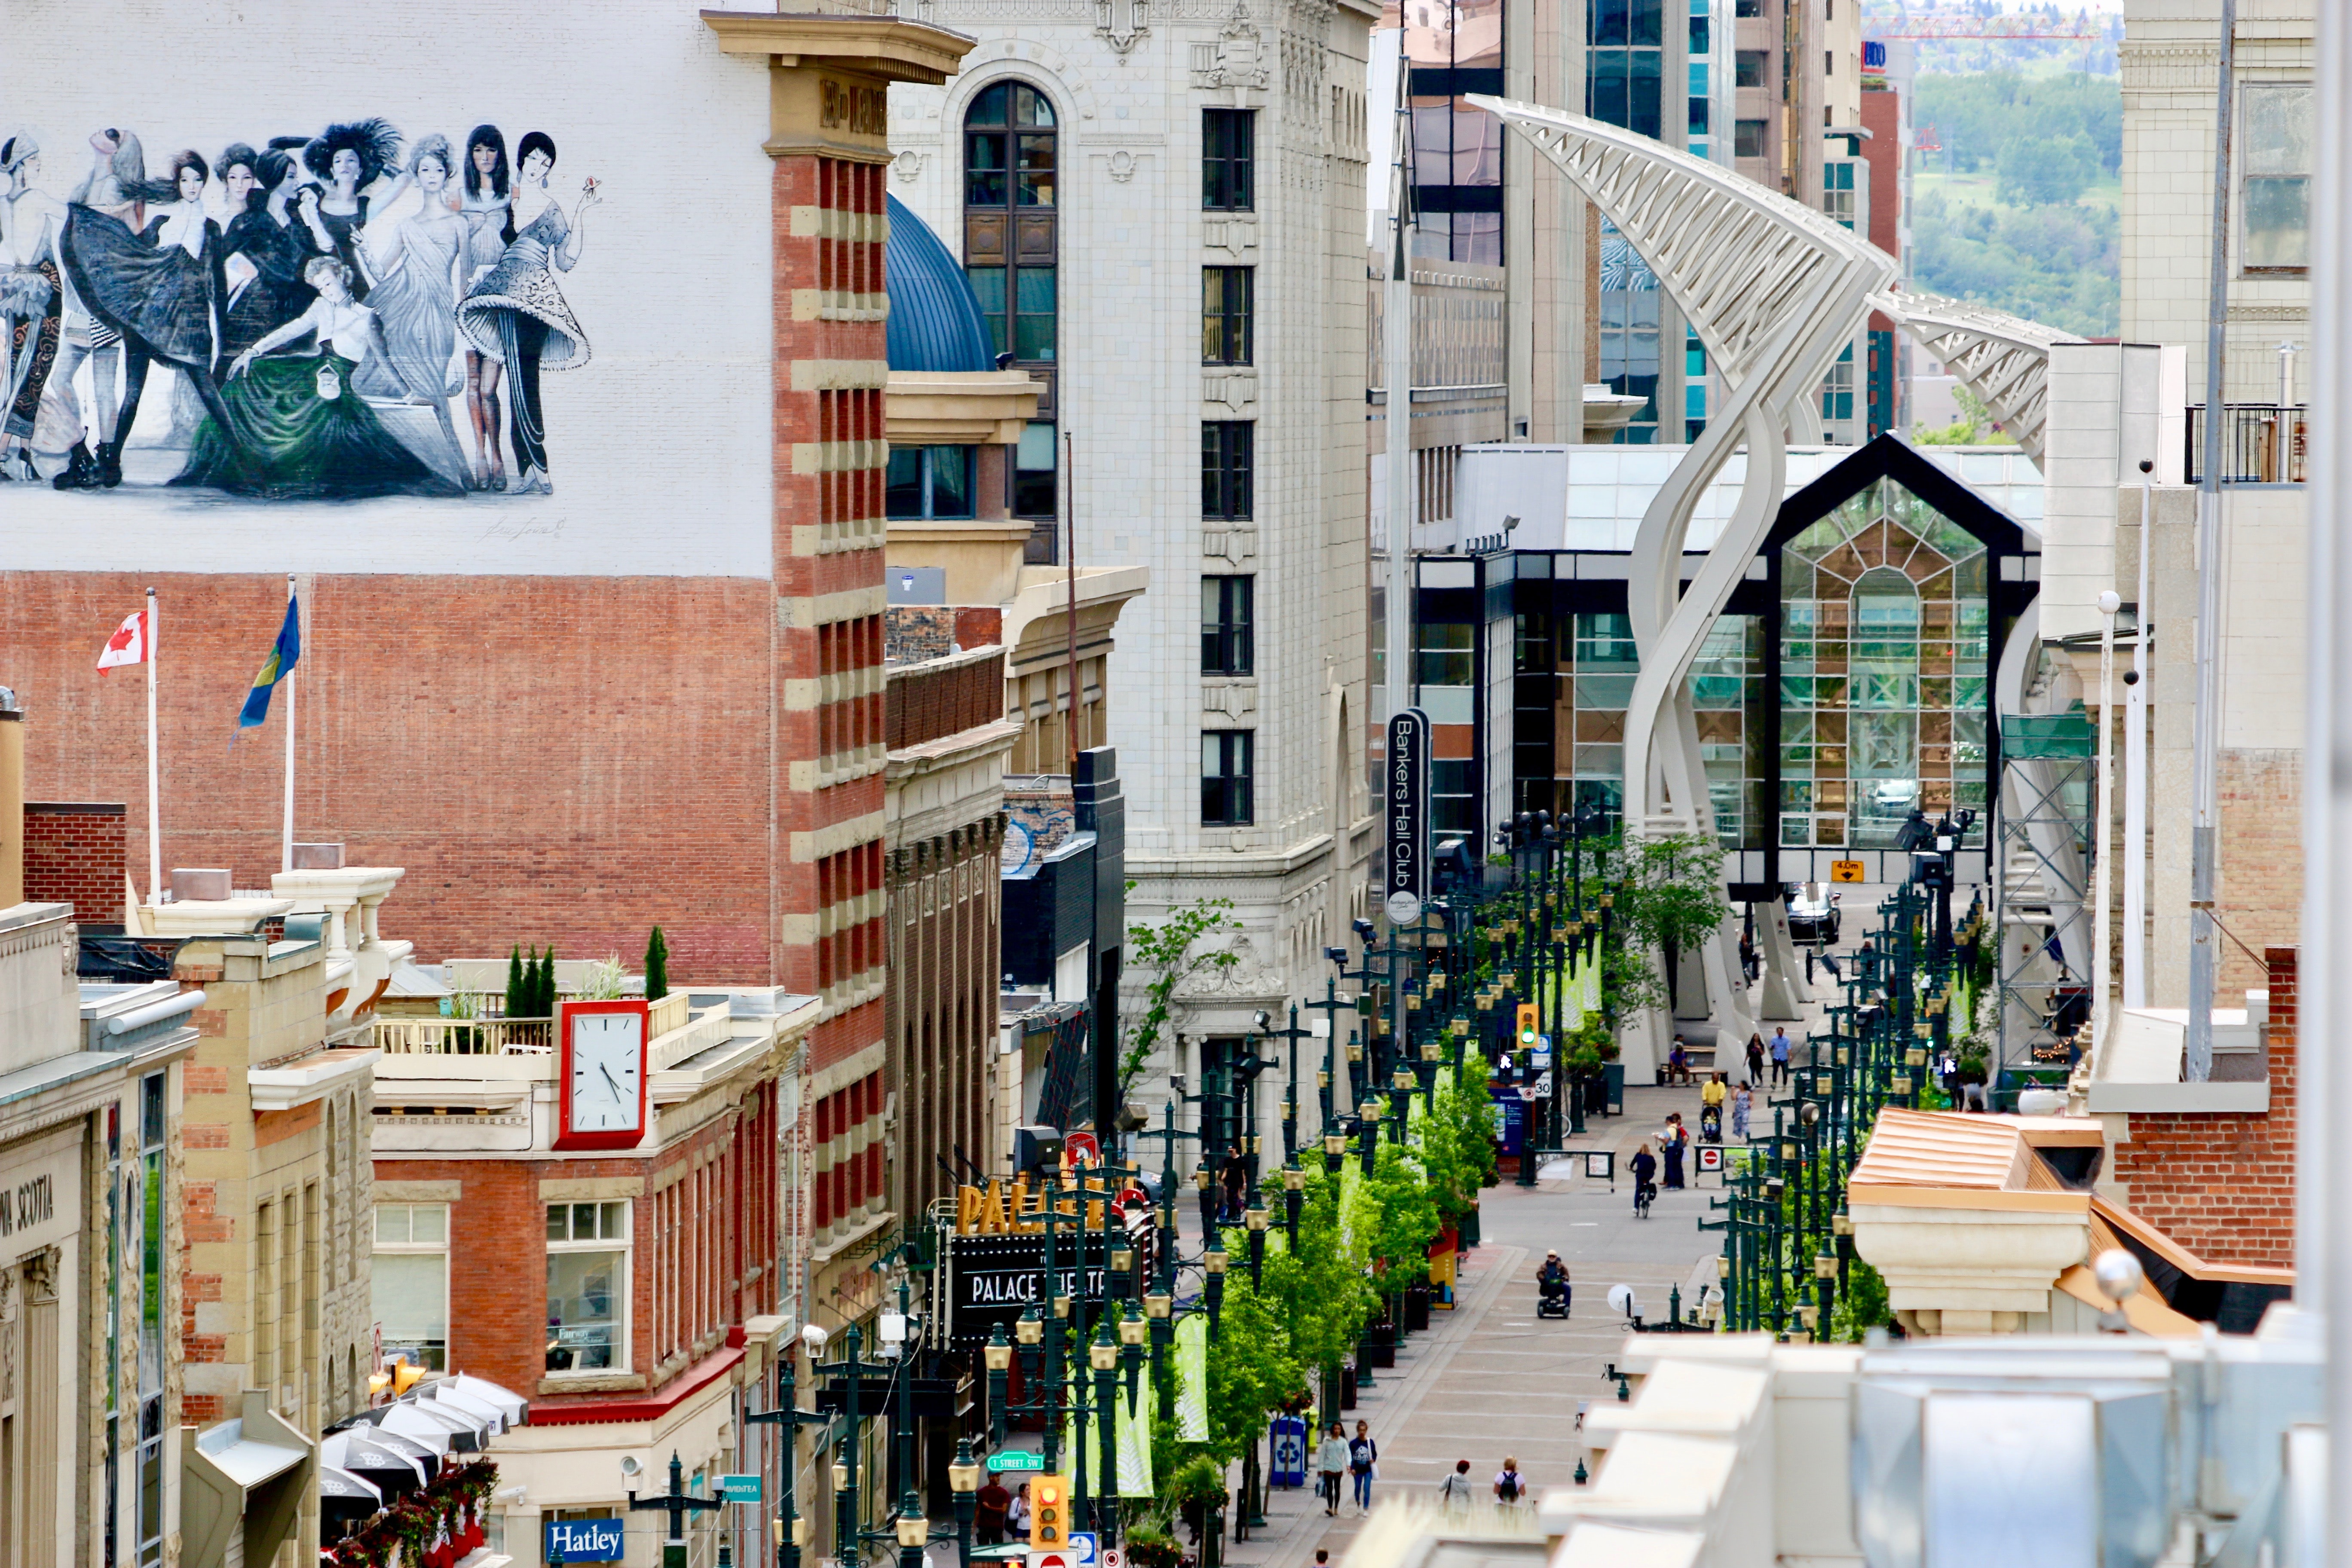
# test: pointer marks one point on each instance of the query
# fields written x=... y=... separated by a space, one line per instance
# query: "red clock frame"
x=565 y=1138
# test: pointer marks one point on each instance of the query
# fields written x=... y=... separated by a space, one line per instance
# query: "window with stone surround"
x=1225 y=464
x=588 y=1286
x=1228 y=140
x=2276 y=152
x=411 y=1275
x=929 y=483
x=1228 y=626
x=1225 y=309
x=1228 y=768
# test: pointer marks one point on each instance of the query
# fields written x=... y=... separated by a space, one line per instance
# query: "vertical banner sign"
x=1406 y=866
x=1192 y=1379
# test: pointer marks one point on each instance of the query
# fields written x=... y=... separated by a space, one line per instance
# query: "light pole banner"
x=1192 y=1379
x=1134 y=1436
x=1405 y=786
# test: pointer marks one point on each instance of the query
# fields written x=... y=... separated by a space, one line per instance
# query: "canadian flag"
x=128 y=645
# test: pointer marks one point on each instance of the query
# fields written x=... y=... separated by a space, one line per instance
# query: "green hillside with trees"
x=2018 y=210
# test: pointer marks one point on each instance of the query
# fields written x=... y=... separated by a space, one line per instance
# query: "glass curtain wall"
x=1887 y=624
x=1455 y=47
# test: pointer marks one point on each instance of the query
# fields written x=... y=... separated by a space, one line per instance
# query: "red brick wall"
x=2223 y=1186
x=74 y=854
x=561 y=758
x=2261 y=862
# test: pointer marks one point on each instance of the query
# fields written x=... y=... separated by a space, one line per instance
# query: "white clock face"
x=608 y=1055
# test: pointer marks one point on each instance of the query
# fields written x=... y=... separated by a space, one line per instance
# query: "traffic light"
x=1049 y=1512
x=1528 y=1026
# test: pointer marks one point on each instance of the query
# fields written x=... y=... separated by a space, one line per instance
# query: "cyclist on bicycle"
x=1646 y=1169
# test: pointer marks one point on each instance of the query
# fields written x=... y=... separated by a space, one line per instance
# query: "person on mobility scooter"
x=1552 y=1288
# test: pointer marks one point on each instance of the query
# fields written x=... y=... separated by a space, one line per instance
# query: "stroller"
x=1710 y=1124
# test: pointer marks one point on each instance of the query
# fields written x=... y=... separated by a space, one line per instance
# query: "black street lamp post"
x=791 y=1418
x=677 y=1502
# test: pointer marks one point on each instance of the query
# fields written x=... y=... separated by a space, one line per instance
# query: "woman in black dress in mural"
x=349 y=160
x=154 y=287
x=264 y=249
x=517 y=315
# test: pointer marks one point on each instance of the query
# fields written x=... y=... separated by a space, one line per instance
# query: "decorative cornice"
x=889 y=46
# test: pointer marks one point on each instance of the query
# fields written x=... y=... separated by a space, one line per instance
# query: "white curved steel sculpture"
x=2004 y=360
x=1774 y=291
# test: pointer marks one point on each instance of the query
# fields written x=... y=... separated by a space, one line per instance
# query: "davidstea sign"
x=583 y=1540
x=1405 y=783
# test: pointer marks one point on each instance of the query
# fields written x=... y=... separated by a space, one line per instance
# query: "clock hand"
x=608 y=1078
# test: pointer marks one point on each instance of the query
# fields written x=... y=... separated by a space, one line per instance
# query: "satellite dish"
x=1621 y=1299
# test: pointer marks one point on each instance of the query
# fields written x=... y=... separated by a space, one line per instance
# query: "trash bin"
x=1416 y=1308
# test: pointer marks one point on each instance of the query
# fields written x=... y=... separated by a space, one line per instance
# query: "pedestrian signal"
x=1049 y=1512
x=1528 y=1025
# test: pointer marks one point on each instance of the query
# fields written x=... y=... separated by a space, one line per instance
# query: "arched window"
x=1011 y=191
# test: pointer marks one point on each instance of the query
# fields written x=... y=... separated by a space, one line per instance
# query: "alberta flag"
x=283 y=655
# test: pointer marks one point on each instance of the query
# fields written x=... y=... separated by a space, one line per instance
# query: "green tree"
x=1253 y=1368
x=1171 y=954
x=1455 y=1139
x=543 y=992
x=656 y=966
x=517 y=989
x=1404 y=1218
x=2043 y=171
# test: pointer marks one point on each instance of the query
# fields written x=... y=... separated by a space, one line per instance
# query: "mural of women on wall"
x=293 y=426
x=295 y=379
x=487 y=212
x=416 y=264
x=516 y=313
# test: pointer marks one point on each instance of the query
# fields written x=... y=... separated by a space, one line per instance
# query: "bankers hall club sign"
x=992 y=1279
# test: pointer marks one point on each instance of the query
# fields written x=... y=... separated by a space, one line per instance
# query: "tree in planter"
x=1172 y=953
x=1321 y=1290
x=656 y=966
x=1252 y=1371
x=518 y=987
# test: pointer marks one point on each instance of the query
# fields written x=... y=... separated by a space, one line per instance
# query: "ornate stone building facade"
x=1161 y=209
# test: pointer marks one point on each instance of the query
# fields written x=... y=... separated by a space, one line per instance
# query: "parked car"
x=1812 y=921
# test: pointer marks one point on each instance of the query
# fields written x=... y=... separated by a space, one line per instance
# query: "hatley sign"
x=1405 y=870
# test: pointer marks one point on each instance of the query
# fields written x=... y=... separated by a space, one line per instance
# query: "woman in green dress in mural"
x=296 y=428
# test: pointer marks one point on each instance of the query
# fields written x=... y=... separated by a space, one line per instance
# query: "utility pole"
x=2206 y=761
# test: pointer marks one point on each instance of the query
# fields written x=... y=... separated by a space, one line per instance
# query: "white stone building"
x=1179 y=235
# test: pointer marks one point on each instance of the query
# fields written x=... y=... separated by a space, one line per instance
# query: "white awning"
x=516 y=1408
x=485 y=1417
x=245 y=1460
x=410 y=1422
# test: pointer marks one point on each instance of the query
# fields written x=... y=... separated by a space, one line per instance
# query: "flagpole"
x=154 y=793
x=286 y=842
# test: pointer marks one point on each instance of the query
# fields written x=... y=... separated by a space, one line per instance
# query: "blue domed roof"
x=935 y=321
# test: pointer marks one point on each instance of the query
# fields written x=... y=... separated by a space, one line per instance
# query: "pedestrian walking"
x=1670 y=1143
x=1016 y=1516
x=1330 y=1463
x=989 y=1509
x=1756 y=1059
x=1454 y=1492
x=1779 y=1055
x=1236 y=1185
x=1644 y=1166
x=1509 y=1488
x=1364 y=1465
x=1742 y=1105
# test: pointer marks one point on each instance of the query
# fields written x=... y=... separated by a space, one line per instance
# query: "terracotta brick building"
x=2222 y=1183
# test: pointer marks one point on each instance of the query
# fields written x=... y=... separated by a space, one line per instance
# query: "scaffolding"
x=2042 y=900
